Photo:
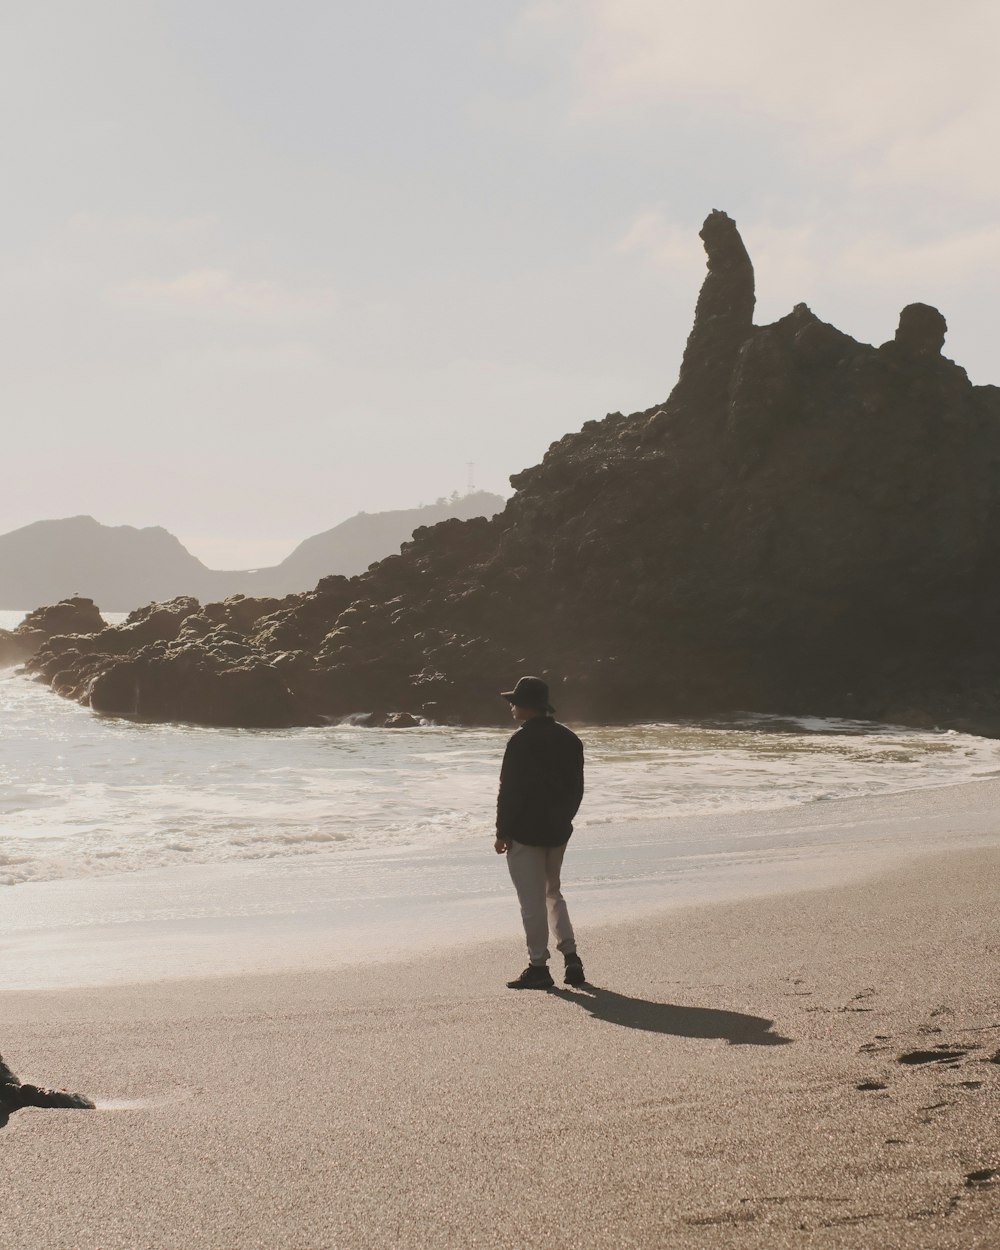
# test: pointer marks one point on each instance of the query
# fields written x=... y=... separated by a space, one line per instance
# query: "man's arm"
x=510 y=794
x=577 y=776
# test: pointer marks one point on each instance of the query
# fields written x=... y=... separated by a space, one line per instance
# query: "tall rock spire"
x=723 y=318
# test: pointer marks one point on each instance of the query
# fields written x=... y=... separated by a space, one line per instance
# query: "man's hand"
x=501 y=846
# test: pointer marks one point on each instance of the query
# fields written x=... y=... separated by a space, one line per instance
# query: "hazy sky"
x=268 y=262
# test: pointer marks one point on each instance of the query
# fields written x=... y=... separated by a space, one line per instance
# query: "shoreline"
x=362 y=907
x=707 y=1089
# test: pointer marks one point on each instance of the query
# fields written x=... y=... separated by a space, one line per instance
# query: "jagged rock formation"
x=179 y=661
x=120 y=566
x=70 y=616
x=14 y=1096
x=808 y=523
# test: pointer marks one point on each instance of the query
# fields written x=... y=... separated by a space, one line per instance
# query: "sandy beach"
x=810 y=1069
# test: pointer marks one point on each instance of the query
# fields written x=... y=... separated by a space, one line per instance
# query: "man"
x=541 y=786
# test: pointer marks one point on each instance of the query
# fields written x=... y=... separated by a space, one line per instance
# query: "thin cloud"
x=669 y=245
x=219 y=291
x=907 y=96
x=947 y=262
x=93 y=228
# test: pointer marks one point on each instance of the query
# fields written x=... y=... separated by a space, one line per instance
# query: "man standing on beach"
x=541 y=786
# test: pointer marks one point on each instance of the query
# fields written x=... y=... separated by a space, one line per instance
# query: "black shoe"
x=534 y=977
x=574 y=970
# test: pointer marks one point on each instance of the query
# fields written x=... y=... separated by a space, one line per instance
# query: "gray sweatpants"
x=535 y=873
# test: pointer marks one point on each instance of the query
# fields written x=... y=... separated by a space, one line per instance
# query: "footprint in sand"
x=860 y=998
x=926 y=1114
x=940 y=1054
x=946 y=1054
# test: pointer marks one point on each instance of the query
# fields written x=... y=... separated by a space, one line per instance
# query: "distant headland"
x=807 y=524
x=121 y=566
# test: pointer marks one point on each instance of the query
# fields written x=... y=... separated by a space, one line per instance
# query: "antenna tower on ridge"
x=470 y=481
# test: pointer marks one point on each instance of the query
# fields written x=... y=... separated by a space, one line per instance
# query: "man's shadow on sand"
x=651 y=1017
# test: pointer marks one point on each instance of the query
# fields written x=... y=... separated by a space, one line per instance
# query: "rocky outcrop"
x=808 y=523
x=69 y=616
x=177 y=661
x=723 y=317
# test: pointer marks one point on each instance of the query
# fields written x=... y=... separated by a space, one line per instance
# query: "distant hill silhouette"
x=121 y=567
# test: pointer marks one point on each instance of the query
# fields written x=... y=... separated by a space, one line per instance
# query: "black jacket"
x=541 y=783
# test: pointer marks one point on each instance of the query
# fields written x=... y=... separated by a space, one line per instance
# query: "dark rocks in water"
x=401 y=720
x=14 y=1096
x=807 y=524
x=179 y=662
x=69 y=616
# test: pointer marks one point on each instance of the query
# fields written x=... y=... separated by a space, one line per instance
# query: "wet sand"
x=812 y=1069
x=322 y=913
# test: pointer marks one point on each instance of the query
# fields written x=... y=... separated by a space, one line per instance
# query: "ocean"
x=357 y=826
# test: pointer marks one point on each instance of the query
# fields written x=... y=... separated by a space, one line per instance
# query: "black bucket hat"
x=529 y=692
